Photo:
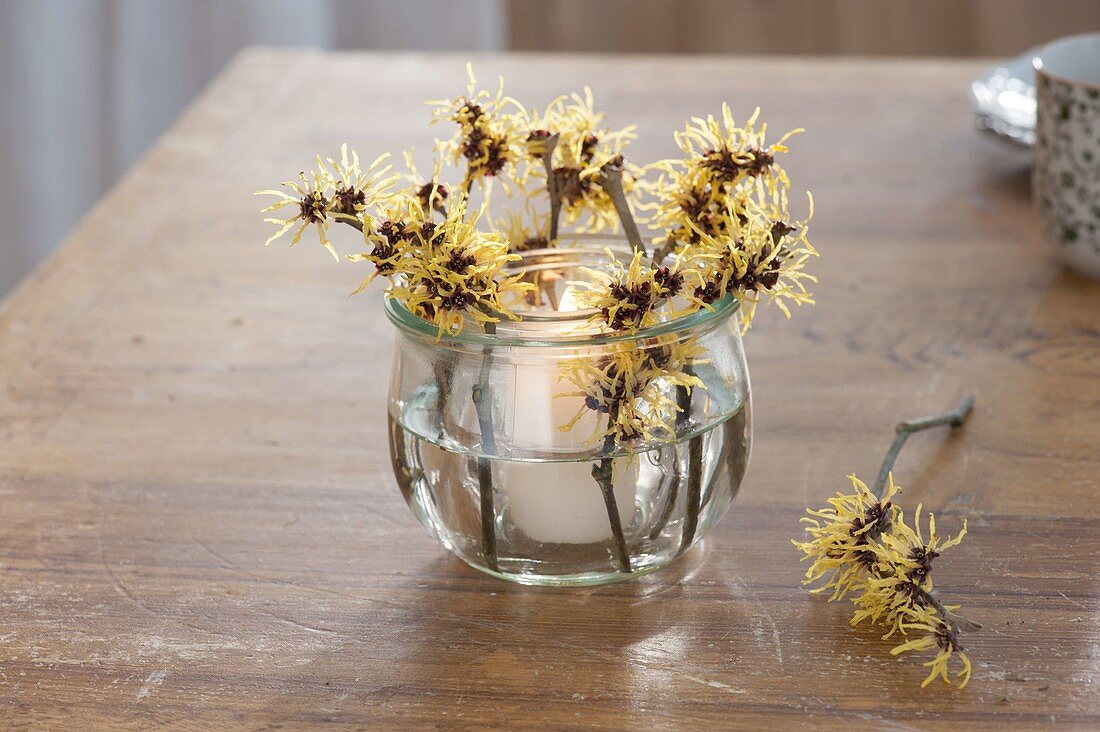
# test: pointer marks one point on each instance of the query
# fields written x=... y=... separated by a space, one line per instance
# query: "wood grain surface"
x=200 y=528
x=847 y=27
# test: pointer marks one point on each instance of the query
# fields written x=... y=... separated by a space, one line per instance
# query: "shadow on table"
x=1011 y=182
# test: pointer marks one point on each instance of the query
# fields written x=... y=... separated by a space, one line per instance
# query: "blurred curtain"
x=87 y=85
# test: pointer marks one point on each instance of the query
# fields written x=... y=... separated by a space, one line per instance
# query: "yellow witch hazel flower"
x=310 y=195
x=861 y=545
x=890 y=601
x=759 y=255
x=722 y=161
x=722 y=154
x=841 y=537
x=458 y=274
x=683 y=208
x=907 y=551
x=393 y=238
x=488 y=137
x=626 y=297
x=430 y=193
x=633 y=386
x=355 y=190
x=898 y=595
x=943 y=639
x=582 y=140
x=583 y=147
x=339 y=190
x=723 y=211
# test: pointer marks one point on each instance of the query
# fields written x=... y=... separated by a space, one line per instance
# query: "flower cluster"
x=432 y=194
x=723 y=163
x=861 y=545
x=633 y=386
x=570 y=132
x=724 y=212
x=627 y=297
x=452 y=271
x=489 y=137
x=760 y=255
x=341 y=191
x=447 y=271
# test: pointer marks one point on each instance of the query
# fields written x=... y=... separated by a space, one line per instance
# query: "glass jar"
x=547 y=452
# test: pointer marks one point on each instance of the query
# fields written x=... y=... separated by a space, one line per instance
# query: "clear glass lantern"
x=548 y=452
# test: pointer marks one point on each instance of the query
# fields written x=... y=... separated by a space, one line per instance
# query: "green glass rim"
x=411 y=324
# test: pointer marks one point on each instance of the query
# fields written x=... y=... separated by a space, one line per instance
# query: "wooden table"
x=200 y=527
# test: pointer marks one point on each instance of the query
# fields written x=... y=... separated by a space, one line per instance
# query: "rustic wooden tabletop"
x=200 y=527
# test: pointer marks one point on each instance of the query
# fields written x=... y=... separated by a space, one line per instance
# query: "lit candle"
x=560 y=502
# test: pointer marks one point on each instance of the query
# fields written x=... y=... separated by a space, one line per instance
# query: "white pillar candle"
x=560 y=502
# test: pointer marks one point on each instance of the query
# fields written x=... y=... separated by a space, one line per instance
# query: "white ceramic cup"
x=1066 y=179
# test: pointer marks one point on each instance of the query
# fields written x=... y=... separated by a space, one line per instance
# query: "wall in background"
x=87 y=85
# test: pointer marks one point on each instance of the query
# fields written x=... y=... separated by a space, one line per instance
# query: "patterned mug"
x=1066 y=179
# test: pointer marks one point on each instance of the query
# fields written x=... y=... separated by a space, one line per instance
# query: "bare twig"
x=695 y=478
x=955 y=418
x=611 y=180
x=552 y=186
x=351 y=221
x=484 y=406
x=603 y=472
